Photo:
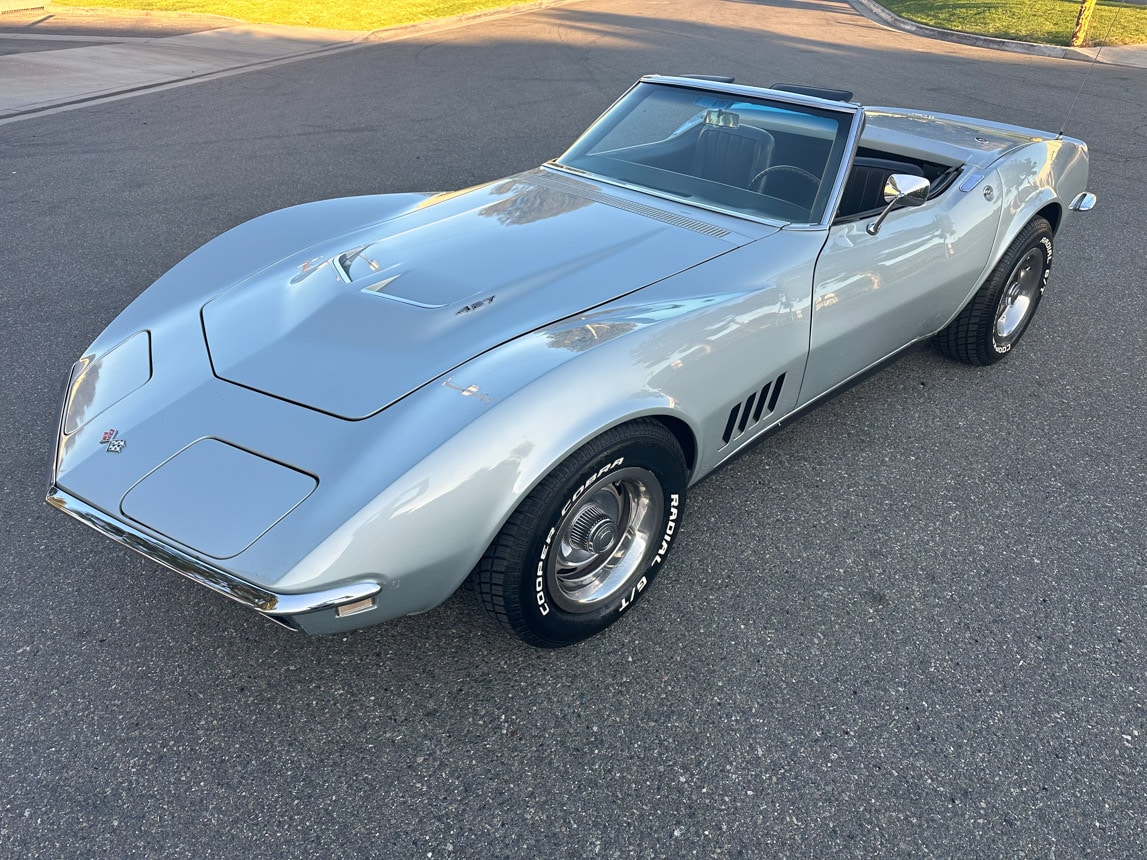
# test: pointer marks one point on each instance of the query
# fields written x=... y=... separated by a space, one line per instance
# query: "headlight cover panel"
x=104 y=382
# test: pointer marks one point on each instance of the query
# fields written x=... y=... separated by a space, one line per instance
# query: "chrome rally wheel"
x=1020 y=296
x=998 y=314
x=602 y=539
x=586 y=544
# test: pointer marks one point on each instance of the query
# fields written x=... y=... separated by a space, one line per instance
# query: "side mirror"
x=901 y=189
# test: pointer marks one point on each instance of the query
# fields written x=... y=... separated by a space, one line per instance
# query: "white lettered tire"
x=586 y=544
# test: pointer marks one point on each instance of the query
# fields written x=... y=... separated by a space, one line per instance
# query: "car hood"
x=353 y=325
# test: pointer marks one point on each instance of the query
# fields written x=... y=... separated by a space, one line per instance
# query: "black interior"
x=722 y=164
x=864 y=190
x=731 y=154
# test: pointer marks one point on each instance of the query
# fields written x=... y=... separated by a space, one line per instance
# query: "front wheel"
x=588 y=541
x=999 y=312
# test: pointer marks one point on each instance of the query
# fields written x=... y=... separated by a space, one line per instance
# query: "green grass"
x=335 y=14
x=1047 y=21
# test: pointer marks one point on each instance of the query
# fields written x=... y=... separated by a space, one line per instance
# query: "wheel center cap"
x=593 y=530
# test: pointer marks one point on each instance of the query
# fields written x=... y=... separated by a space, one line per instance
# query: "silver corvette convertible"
x=338 y=413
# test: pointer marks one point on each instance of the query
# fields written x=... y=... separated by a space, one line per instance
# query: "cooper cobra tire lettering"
x=541 y=574
x=1049 y=250
x=589 y=483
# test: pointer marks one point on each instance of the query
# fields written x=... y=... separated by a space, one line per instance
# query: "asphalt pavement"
x=910 y=625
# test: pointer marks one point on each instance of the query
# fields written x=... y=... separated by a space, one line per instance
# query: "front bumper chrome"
x=278 y=606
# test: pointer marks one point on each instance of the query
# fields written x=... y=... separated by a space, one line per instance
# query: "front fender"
x=447 y=465
x=492 y=429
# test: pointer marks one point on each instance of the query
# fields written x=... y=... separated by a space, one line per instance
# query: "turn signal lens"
x=353 y=608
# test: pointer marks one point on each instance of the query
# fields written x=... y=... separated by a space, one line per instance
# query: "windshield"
x=763 y=158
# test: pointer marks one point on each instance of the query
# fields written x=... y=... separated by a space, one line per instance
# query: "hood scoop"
x=379 y=288
x=387 y=313
x=374 y=280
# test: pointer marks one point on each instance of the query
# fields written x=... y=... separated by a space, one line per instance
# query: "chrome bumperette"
x=275 y=604
x=1084 y=202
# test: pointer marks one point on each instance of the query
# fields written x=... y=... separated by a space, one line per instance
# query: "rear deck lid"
x=957 y=139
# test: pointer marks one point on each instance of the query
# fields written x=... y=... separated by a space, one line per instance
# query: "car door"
x=873 y=295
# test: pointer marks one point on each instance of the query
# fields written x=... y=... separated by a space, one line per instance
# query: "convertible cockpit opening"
x=764 y=158
x=864 y=190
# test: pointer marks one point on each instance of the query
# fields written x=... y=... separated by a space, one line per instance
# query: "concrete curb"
x=1120 y=55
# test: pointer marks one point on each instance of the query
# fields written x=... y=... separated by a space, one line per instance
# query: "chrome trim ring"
x=1020 y=295
x=262 y=600
x=602 y=541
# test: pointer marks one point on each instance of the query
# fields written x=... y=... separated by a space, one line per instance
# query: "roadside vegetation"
x=1047 y=21
x=333 y=14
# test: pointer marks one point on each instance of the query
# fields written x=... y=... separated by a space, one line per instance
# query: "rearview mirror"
x=901 y=189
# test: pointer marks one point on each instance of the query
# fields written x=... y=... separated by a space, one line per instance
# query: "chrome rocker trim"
x=276 y=605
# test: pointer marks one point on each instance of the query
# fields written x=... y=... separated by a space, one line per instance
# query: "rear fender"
x=1043 y=174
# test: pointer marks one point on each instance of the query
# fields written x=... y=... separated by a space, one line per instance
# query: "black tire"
x=998 y=314
x=588 y=541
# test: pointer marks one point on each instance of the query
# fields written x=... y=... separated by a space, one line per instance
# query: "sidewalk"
x=58 y=57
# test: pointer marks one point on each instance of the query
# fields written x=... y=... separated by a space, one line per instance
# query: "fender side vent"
x=748 y=413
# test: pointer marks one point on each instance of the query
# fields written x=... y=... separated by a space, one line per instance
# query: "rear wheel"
x=999 y=312
x=588 y=541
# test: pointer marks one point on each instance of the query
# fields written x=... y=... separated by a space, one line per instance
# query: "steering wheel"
x=758 y=183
